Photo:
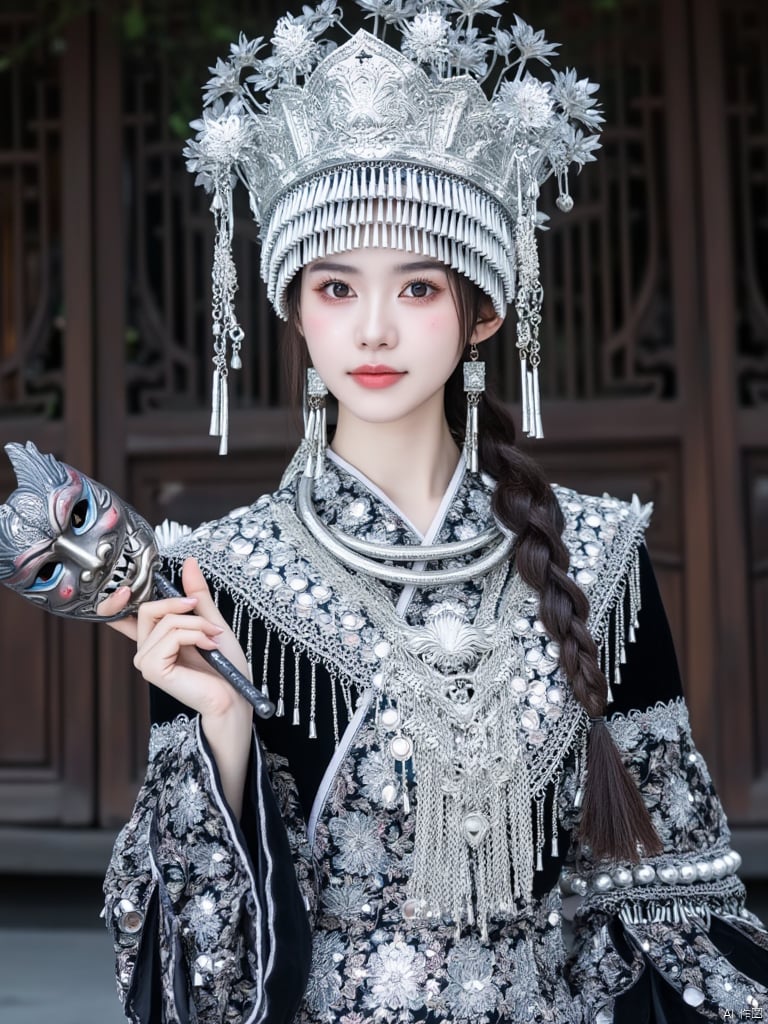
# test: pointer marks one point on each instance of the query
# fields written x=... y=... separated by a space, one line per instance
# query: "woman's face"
x=382 y=330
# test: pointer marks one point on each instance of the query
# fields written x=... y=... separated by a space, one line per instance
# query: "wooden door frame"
x=727 y=546
x=62 y=791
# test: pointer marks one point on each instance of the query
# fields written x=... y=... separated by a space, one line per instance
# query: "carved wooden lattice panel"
x=744 y=26
x=745 y=66
x=169 y=244
x=31 y=300
x=607 y=326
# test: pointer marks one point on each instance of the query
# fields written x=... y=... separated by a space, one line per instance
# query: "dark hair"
x=614 y=819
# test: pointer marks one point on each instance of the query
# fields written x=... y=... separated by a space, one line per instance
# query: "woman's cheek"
x=442 y=325
x=323 y=334
x=316 y=324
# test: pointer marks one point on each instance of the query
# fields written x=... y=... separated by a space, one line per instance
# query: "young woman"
x=436 y=625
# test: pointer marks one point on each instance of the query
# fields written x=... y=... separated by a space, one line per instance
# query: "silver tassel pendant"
x=219 y=426
x=315 y=426
x=528 y=301
x=474 y=386
x=538 y=430
x=226 y=329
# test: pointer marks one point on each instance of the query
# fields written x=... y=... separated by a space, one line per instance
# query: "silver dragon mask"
x=67 y=541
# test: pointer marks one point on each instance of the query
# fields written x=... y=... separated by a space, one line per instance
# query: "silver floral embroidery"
x=471 y=991
x=360 y=848
x=396 y=976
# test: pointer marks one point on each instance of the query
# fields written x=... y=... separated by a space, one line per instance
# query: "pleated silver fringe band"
x=390 y=206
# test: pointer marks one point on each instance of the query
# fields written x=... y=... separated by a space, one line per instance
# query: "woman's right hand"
x=166 y=634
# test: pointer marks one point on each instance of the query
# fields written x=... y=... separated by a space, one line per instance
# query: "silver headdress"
x=392 y=147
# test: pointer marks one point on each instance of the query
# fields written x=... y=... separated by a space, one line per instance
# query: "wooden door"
x=47 y=684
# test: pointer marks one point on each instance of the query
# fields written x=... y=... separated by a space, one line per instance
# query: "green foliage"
x=134 y=24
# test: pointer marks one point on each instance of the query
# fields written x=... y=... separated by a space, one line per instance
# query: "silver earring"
x=474 y=386
x=315 y=423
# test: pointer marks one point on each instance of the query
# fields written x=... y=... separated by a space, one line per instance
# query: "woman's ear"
x=485 y=327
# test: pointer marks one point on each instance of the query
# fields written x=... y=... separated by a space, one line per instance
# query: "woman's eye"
x=337 y=289
x=419 y=289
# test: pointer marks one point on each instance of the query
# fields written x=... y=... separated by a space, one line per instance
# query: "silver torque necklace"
x=362 y=555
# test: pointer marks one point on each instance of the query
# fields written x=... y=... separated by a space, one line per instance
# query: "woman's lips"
x=376 y=376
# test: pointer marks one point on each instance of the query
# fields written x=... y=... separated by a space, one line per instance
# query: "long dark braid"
x=614 y=819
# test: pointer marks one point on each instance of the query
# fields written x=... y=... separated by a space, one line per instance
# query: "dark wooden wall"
x=655 y=357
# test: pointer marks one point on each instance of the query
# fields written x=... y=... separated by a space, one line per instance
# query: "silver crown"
x=399 y=148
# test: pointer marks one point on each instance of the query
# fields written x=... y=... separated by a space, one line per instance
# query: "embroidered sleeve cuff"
x=670 y=930
x=188 y=902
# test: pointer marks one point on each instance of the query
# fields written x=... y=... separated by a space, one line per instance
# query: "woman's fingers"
x=153 y=612
x=195 y=585
x=178 y=624
x=170 y=659
x=162 y=652
x=114 y=605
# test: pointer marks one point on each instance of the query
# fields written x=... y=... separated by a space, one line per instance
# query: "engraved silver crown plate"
x=412 y=128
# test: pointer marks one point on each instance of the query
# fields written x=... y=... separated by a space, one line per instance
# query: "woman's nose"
x=376 y=329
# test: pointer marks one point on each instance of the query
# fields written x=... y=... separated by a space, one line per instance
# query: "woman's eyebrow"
x=407 y=268
x=338 y=268
x=346 y=268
